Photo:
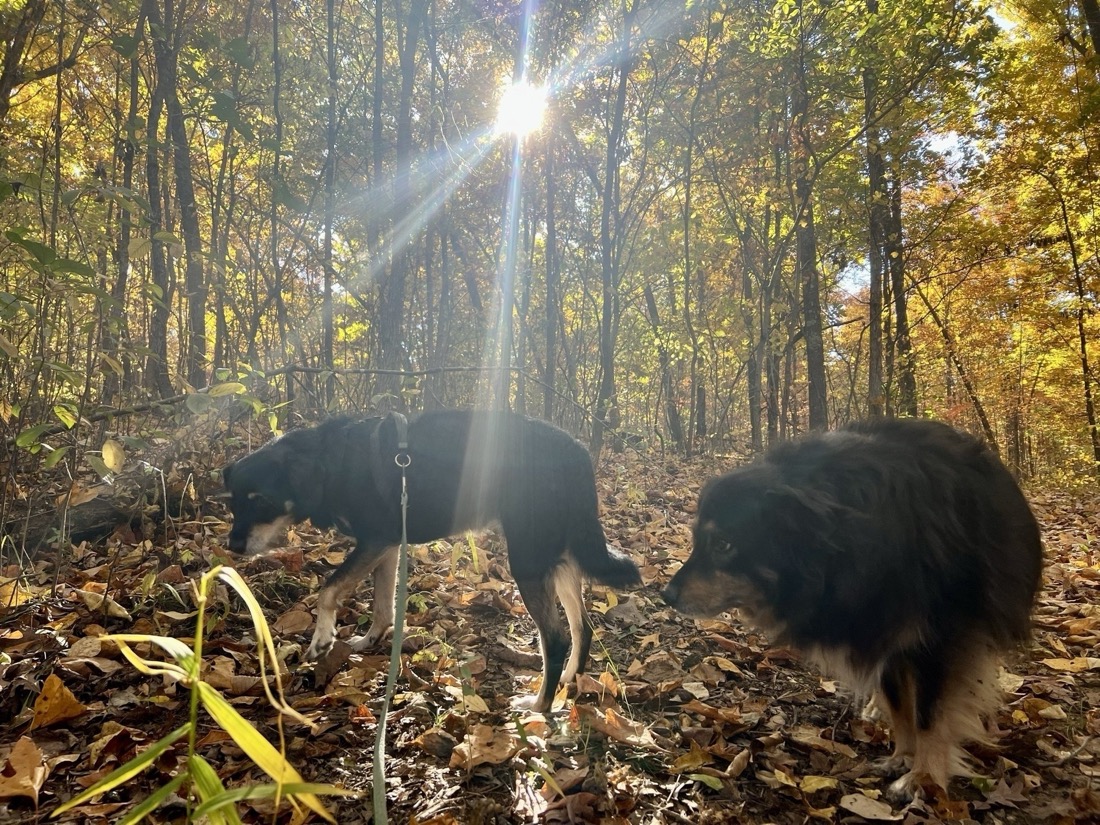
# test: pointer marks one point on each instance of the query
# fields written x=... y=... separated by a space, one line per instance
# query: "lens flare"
x=521 y=110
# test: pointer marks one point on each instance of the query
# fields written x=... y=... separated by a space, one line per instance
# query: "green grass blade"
x=126 y=772
x=209 y=787
x=153 y=801
x=291 y=789
x=259 y=750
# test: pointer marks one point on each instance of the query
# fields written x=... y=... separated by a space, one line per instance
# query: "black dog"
x=901 y=554
x=465 y=469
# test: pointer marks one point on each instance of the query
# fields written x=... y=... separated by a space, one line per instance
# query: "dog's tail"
x=598 y=560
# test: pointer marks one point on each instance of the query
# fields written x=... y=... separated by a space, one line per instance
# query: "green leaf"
x=139 y=248
x=65 y=415
x=228 y=388
x=75 y=267
x=211 y=789
x=55 y=456
x=235 y=795
x=124 y=773
x=29 y=436
x=153 y=800
x=44 y=254
x=125 y=44
x=97 y=464
x=258 y=749
x=198 y=402
x=8 y=347
x=712 y=782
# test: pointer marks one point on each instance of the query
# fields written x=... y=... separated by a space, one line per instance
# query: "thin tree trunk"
x=156 y=371
x=806 y=249
x=609 y=236
x=392 y=309
x=117 y=330
x=876 y=209
x=895 y=261
x=960 y=369
x=327 y=334
x=552 y=317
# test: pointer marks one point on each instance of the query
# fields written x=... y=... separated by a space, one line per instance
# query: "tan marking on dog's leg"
x=970 y=694
x=325 y=632
x=385 y=591
x=570 y=590
x=339 y=586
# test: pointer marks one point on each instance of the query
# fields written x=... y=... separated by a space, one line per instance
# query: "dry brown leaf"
x=55 y=703
x=1078 y=664
x=485 y=745
x=94 y=601
x=868 y=808
x=25 y=772
x=614 y=725
x=292 y=622
x=692 y=760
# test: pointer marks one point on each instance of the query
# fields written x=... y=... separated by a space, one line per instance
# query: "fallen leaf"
x=55 y=703
x=484 y=745
x=1078 y=664
x=868 y=808
x=25 y=772
x=293 y=622
x=94 y=601
x=615 y=726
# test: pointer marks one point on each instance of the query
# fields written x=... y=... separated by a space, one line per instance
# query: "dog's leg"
x=338 y=587
x=385 y=590
x=895 y=696
x=569 y=587
x=952 y=695
x=538 y=597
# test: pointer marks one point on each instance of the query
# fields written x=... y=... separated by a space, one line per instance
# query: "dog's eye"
x=722 y=546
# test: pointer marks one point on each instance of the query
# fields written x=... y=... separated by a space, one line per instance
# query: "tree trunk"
x=117 y=332
x=157 y=376
x=609 y=202
x=553 y=313
x=876 y=209
x=392 y=302
x=895 y=261
x=806 y=251
x=327 y=334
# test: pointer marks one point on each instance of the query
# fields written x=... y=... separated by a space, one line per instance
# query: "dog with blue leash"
x=465 y=470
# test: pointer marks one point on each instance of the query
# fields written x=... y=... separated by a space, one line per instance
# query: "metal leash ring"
x=402 y=460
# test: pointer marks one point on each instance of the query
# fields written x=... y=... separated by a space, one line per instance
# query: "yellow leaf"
x=114 y=455
x=809 y=784
x=55 y=703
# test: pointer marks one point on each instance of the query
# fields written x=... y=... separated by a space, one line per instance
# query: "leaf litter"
x=676 y=720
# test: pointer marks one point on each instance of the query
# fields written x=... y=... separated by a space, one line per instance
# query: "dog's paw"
x=319 y=648
x=892 y=765
x=914 y=785
x=372 y=638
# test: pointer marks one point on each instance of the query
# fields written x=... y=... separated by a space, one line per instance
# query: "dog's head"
x=270 y=489
x=756 y=543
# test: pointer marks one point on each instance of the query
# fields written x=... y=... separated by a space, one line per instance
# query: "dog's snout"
x=671 y=593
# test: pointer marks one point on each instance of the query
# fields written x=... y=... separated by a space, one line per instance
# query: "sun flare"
x=521 y=110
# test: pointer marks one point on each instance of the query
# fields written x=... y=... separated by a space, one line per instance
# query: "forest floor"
x=678 y=721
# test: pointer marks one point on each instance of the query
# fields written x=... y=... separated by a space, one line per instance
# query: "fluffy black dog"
x=465 y=470
x=900 y=555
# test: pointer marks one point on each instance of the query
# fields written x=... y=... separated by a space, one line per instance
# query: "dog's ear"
x=225 y=475
x=304 y=475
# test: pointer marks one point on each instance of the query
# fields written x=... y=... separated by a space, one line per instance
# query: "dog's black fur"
x=465 y=470
x=900 y=553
